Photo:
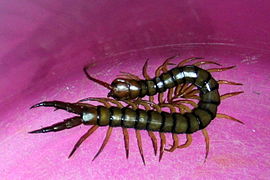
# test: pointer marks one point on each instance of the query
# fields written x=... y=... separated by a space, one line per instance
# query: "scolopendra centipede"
x=151 y=119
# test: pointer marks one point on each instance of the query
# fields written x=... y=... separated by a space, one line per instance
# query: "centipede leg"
x=170 y=95
x=183 y=62
x=162 y=145
x=147 y=77
x=207 y=143
x=177 y=91
x=154 y=141
x=126 y=140
x=227 y=95
x=229 y=82
x=139 y=142
x=103 y=100
x=188 y=90
x=192 y=103
x=129 y=76
x=187 y=143
x=108 y=135
x=82 y=139
x=205 y=62
x=182 y=107
x=175 y=143
x=220 y=69
x=225 y=116
x=160 y=98
x=145 y=74
x=163 y=67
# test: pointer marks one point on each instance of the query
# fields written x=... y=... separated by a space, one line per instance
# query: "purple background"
x=45 y=44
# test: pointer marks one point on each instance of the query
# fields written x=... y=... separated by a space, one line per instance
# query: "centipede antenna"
x=82 y=139
x=207 y=143
x=108 y=134
x=106 y=85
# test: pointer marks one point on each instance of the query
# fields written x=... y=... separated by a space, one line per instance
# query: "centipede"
x=183 y=83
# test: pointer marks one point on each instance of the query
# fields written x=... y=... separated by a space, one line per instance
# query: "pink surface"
x=45 y=44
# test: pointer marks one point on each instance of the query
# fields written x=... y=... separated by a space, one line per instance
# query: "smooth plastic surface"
x=45 y=44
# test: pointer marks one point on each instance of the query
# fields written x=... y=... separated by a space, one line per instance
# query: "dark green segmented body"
x=178 y=123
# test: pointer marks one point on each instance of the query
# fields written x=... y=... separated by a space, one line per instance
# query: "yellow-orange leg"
x=126 y=140
x=207 y=143
x=109 y=131
x=192 y=103
x=225 y=116
x=162 y=145
x=129 y=76
x=139 y=142
x=170 y=95
x=103 y=100
x=220 y=69
x=228 y=82
x=163 y=67
x=154 y=141
x=187 y=90
x=205 y=62
x=82 y=139
x=227 y=95
x=185 y=61
x=147 y=77
x=175 y=143
x=182 y=108
x=187 y=143
x=108 y=135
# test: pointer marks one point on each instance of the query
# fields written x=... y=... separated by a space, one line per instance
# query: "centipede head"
x=124 y=89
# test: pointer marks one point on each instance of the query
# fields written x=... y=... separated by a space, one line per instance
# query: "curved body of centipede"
x=129 y=86
x=182 y=81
